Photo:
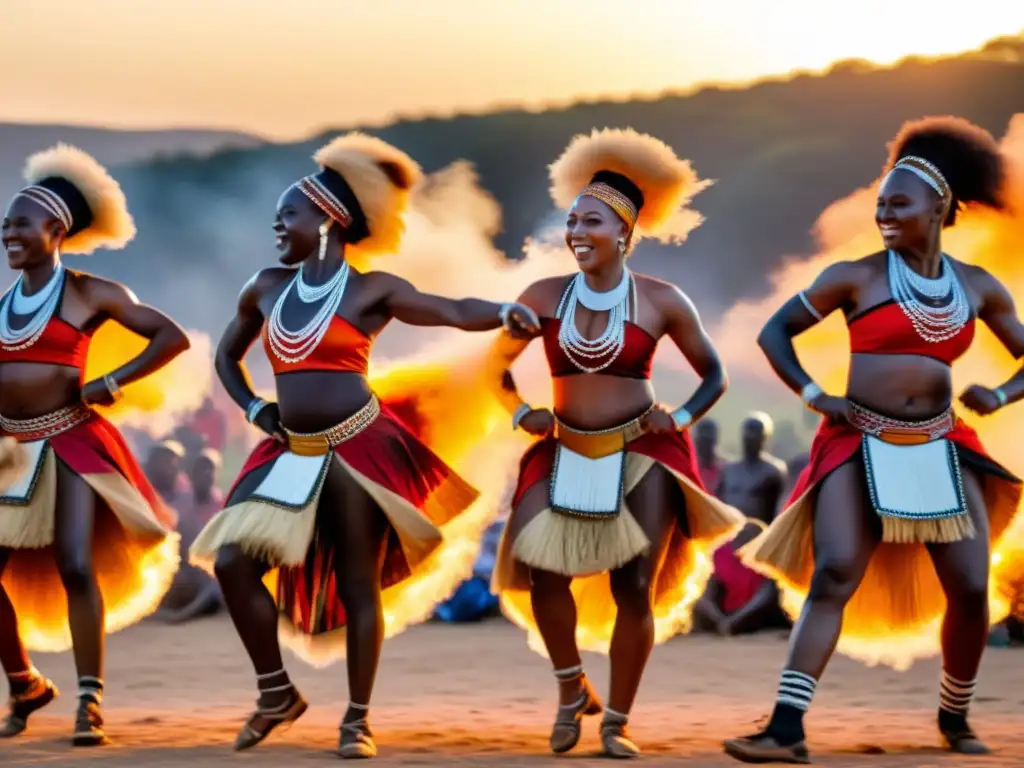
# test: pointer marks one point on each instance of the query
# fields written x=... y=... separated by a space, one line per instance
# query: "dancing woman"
x=613 y=485
x=342 y=500
x=82 y=514
x=891 y=522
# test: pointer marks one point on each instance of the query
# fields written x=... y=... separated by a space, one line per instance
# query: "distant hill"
x=779 y=151
x=17 y=141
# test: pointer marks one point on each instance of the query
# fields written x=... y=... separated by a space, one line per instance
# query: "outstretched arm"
x=999 y=313
x=413 y=307
x=166 y=339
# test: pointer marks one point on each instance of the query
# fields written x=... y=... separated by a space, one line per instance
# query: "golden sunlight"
x=283 y=75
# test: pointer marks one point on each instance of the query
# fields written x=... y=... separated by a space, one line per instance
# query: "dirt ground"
x=476 y=695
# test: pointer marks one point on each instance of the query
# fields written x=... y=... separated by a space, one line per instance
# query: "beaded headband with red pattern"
x=614 y=199
x=325 y=200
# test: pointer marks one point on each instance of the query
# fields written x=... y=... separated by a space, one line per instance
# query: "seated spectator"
x=737 y=599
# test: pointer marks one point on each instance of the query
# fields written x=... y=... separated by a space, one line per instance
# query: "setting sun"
x=285 y=71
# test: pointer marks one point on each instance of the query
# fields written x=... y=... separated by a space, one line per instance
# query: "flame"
x=158 y=400
x=596 y=612
x=128 y=597
x=442 y=397
x=845 y=231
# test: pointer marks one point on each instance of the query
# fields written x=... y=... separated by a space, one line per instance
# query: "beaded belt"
x=902 y=432
x=48 y=425
x=319 y=443
x=602 y=442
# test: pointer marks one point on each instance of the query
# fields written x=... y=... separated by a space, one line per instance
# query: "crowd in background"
x=187 y=468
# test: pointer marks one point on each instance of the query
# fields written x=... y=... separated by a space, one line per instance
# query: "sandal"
x=964 y=742
x=89 y=724
x=265 y=719
x=615 y=740
x=763 y=748
x=356 y=741
x=39 y=693
x=565 y=734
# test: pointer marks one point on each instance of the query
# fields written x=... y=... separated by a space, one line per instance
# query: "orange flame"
x=846 y=230
x=158 y=400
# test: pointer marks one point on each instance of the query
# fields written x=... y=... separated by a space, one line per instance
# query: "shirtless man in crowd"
x=738 y=600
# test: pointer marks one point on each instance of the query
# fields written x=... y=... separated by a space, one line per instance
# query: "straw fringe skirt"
x=134 y=550
x=424 y=501
x=895 y=615
x=588 y=549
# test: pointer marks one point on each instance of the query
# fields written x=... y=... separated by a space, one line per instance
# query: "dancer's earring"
x=324 y=228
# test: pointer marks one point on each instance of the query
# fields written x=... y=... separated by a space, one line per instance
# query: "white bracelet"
x=1000 y=396
x=517 y=417
x=810 y=392
x=113 y=387
x=504 y=312
x=682 y=418
x=257 y=405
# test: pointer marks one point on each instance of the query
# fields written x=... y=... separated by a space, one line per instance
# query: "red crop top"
x=343 y=349
x=633 y=362
x=886 y=330
x=59 y=344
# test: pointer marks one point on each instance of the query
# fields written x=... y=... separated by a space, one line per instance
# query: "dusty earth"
x=476 y=695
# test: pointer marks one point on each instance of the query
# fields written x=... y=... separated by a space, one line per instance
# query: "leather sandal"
x=565 y=733
x=356 y=741
x=763 y=748
x=39 y=693
x=266 y=719
x=615 y=740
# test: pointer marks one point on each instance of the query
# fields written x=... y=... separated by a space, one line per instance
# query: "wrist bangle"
x=503 y=314
x=1000 y=396
x=517 y=417
x=113 y=387
x=682 y=418
x=257 y=405
x=810 y=392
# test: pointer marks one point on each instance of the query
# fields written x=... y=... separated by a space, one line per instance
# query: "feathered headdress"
x=76 y=189
x=637 y=175
x=364 y=183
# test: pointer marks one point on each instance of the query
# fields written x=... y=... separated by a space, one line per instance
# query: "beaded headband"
x=325 y=200
x=614 y=199
x=928 y=173
x=51 y=201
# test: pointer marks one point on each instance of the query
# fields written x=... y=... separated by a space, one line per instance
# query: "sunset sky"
x=285 y=69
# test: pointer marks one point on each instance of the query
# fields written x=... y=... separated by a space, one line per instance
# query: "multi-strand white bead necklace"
x=40 y=305
x=932 y=323
x=619 y=302
x=295 y=346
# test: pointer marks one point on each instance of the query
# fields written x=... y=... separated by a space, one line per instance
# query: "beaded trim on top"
x=614 y=199
x=927 y=172
x=325 y=200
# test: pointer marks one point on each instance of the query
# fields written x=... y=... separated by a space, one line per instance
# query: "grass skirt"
x=589 y=549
